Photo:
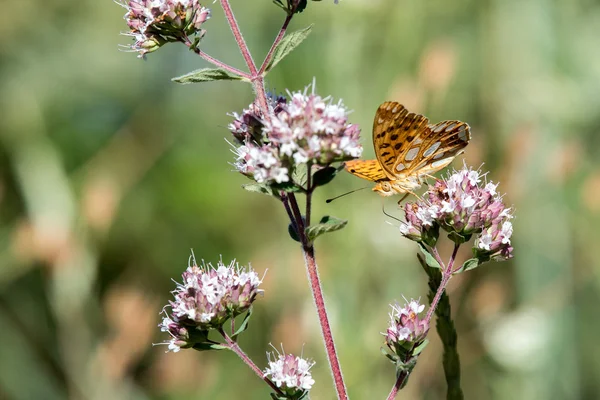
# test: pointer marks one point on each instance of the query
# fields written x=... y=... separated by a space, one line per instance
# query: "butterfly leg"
x=404 y=197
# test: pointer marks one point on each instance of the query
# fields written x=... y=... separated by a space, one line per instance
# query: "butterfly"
x=408 y=148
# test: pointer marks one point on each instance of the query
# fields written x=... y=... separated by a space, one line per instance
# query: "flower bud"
x=406 y=330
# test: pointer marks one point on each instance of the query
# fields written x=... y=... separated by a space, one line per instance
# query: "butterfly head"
x=384 y=188
x=400 y=186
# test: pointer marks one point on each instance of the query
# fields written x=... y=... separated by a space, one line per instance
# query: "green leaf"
x=205 y=346
x=207 y=75
x=417 y=350
x=429 y=259
x=324 y=176
x=299 y=174
x=289 y=187
x=243 y=325
x=392 y=357
x=293 y=233
x=327 y=224
x=458 y=238
x=471 y=263
x=287 y=44
x=260 y=188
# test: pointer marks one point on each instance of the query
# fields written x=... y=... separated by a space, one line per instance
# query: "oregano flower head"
x=206 y=299
x=153 y=23
x=463 y=205
x=290 y=373
x=303 y=129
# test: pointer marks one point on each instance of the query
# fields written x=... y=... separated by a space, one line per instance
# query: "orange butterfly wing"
x=366 y=169
x=407 y=146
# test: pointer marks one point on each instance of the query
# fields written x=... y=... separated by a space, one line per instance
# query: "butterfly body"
x=408 y=148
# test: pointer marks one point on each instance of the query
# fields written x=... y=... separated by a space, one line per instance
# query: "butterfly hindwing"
x=395 y=132
x=366 y=169
x=440 y=144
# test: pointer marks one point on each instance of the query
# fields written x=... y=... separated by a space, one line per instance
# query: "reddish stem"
x=216 y=62
x=398 y=385
x=233 y=346
x=257 y=80
x=446 y=275
x=315 y=285
x=235 y=29
x=267 y=60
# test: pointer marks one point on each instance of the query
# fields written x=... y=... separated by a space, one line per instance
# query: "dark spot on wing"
x=397 y=146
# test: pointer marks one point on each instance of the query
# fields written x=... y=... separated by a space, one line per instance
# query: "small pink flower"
x=406 y=327
x=290 y=373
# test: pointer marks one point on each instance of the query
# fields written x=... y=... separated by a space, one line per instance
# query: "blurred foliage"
x=110 y=173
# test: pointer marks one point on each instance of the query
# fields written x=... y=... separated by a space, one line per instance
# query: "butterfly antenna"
x=344 y=194
x=383 y=209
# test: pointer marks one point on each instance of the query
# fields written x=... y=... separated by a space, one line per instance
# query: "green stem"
x=446 y=331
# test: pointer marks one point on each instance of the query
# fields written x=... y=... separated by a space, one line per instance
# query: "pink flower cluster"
x=304 y=129
x=290 y=373
x=207 y=298
x=406 y=327
x=153 y=23
x=462 y=206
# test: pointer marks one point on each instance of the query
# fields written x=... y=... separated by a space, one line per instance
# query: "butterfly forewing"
x=440 y=144
x=395 y=131
x=366 y=169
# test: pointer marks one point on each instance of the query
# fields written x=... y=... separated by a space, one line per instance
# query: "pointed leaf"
x=244 y=325
x=327 y=224
x=207 y=75
x=289 y=187
x=458 y=238
x=205 y=346
x=429 y=259
x=293 y=233
x=259 y=188
x=287 y=44
x=471 y=263
x=324 y=176
x=417 y=350
x=299 y=174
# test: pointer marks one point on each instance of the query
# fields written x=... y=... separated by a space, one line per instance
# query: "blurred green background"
x=110 y=173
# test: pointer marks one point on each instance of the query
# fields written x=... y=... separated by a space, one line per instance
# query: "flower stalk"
x=233 y=346
x=446 y=331
x=214 y=61
x=310 y=263
x=258 y=82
